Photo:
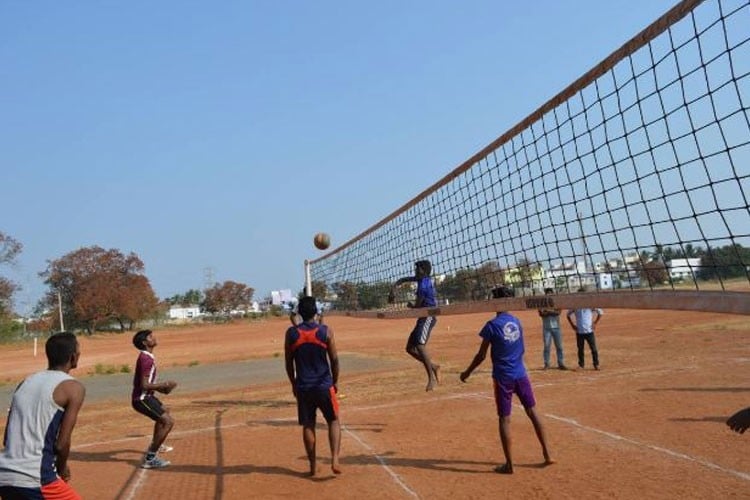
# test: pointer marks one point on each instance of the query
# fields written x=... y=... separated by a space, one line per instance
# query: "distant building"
x=184 y=312
x=683 y=268
x=279 y=297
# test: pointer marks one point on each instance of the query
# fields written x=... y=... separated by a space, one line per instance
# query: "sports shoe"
x=165 y=448
x=155 y=463
x=562 y=367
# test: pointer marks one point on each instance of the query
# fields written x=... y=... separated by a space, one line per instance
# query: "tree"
x=347 y=295
x=319 y=289
x=9 y=250
x=98 y=286
x=654 y=272
x=373 y=296
x=730 y=261
x=227 y=297
x=189 y=298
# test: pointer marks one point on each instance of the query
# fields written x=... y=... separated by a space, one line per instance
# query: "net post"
x=308 y=283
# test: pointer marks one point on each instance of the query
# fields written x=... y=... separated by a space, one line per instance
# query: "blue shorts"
x=504 y=394
x=421 y=332
x=149 y=406
x=308 y=402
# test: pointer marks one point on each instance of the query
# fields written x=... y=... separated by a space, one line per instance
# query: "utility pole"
x=59 y=308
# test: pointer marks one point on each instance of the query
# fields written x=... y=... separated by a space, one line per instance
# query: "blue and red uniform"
x=308 y=343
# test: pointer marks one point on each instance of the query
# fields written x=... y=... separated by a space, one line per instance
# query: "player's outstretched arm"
x=740 y=421
x=478 y=359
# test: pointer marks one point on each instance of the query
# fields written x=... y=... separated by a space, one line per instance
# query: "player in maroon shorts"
x=144 y=401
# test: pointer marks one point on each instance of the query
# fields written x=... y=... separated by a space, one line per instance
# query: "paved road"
x=204 y=377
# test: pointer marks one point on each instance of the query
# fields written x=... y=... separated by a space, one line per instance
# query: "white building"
x=279 y=297
x=683 y=268
x=184 y=312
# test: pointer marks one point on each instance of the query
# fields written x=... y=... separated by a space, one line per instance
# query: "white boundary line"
x=137 y=485
x=617 y=437
x=666 y=451
x=396 y=478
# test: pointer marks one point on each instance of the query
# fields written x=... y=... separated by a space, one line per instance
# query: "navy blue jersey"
x=309 y=346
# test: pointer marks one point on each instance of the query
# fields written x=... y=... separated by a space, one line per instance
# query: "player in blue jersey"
x=312 y=366
x=416 y=346
x=505 y=335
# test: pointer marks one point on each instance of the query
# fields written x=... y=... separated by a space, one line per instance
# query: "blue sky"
x=224 y=135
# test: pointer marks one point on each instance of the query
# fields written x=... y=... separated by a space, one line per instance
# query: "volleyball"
x=322 y=241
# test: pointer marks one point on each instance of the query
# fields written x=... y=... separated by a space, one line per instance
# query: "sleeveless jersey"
x=28 y=460
x=144 y=367
x=309 y=344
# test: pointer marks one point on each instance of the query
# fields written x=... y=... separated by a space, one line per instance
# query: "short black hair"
x=424 y=265
x=307 y=308
x=139 y=339
x=59 y=348
x=503 y=292
x=549 y=290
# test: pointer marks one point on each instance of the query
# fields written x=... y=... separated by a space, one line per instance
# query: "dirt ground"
x=650 y=424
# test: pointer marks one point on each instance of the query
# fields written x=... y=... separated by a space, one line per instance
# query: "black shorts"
x=149 y=406
x=421 y=333
x=317 y=399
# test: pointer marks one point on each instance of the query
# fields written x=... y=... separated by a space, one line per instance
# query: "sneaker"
x=155 y=463
x=562 y=367
x=165 y=448
x=546 y=367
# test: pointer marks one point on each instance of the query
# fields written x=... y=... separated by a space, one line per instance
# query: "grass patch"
x=194 y=363
x=102 y=369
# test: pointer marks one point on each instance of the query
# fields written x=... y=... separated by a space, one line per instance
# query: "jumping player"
x=505 y=335
x=144 y=401
x=312 y=366
x=43 y=412
x=416 y=346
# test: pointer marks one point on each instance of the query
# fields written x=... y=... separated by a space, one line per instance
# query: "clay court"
x=650 y=424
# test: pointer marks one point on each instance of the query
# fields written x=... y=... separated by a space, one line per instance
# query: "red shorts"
x=56 y=490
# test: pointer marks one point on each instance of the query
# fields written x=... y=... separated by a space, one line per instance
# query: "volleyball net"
x=627 y=189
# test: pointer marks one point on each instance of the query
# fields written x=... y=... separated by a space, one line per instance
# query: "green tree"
x=347 y=295
x=730 y=261
x=190 y=298
x=373 y=295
